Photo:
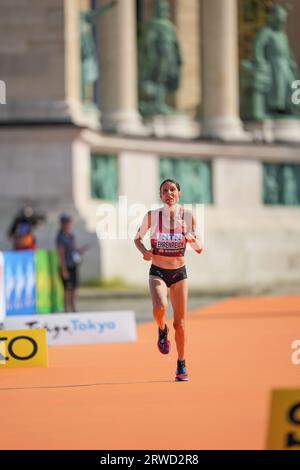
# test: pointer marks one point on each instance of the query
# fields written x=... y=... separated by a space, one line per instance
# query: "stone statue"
x=271 y=184
x=280 y=184
x=266 y=81
x=103 y=177
x=159 y=62
x=89 y=59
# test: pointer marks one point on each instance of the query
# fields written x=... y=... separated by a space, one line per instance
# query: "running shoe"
x=181 y=374
x=163 y=343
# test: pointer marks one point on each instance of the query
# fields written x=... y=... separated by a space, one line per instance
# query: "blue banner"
x=20 y=282
x=2 y=296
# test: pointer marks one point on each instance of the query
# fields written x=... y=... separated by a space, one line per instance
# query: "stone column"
x=187 y=21
x=220 y=71
x=118 y=69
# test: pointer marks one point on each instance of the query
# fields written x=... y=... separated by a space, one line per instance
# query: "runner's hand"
x=190 y=238
x=65 y=274
x=148 y=255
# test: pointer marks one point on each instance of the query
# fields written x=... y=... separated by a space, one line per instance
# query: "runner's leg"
x=159 y=295
x=178 y=296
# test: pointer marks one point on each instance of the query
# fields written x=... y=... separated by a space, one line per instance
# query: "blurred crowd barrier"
x=30 y=283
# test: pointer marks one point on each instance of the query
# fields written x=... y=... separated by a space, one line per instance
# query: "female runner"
x=171 y=228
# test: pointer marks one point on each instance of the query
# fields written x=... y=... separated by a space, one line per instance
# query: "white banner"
x=2 y=291
x=80 y=328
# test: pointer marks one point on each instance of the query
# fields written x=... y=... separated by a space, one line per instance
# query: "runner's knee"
x=160 y=307
x=178 y=325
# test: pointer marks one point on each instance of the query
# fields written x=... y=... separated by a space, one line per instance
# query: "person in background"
x=21 y=231
x=69 y=259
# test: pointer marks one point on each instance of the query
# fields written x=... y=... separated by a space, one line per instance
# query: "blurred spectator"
x=69 y=259
x=21 y=231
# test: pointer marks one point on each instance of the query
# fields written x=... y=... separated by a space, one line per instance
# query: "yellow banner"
x=23 y=348
x=284 y=425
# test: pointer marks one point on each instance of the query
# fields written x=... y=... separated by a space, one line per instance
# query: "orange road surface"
x=123 y=396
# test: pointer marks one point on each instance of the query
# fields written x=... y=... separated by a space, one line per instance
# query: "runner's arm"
x=145 y=225
x=193 y=238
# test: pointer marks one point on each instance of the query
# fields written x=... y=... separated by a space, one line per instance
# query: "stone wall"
x=32 y=56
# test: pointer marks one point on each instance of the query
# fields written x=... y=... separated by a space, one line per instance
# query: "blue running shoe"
x=181 y=374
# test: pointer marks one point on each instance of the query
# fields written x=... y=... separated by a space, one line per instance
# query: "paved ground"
x=124 y=396
x=140 y=304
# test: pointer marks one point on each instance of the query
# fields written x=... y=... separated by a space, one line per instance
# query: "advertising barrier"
x=57 y=290
x=30 y=283
x=43 y=281
x=81 y=328
x=284 y=425
x=23 y=348
x=20 y=282
x=2 y=292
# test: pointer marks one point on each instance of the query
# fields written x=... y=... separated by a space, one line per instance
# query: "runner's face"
x=169 y=194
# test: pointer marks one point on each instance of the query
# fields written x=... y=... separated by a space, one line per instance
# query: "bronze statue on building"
x=160 y=62
x=89 y=58
x=267 y=80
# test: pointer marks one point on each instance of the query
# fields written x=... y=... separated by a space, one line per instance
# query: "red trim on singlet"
x=172 y=230
x=160 y=222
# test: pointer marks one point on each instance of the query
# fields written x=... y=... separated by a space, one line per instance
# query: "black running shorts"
x=169 y=276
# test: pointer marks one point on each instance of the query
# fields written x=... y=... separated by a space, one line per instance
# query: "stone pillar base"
x=287 y=130
x=225 y=129
x=261 y=131
x=176 y=125
x=124 y=122
x=83 y=115
x=283 y=130
x=62 y=111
